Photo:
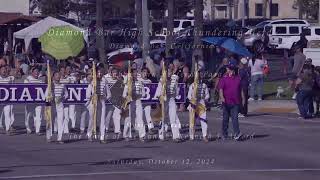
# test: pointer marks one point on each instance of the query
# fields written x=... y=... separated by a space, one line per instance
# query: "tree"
x=170 y=26
x=100 y=32
x=54 y=7
x=139 y=18
x=198 y=28
x=310 y=8
x=182 y=7
x=265 y=8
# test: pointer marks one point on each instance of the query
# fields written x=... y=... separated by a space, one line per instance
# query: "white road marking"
x=152 y=172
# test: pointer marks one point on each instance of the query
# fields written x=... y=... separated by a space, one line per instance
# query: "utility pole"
x=145 y=29
x=198 y=28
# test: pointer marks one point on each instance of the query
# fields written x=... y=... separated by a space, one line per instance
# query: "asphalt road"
x=281 y=147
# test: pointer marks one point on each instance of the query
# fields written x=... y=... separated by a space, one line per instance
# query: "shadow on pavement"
x=5 y=171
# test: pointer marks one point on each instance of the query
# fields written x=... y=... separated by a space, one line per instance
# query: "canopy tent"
x=41 y=27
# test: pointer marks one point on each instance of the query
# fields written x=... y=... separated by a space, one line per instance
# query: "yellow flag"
x=94 y=98
x=48 y=110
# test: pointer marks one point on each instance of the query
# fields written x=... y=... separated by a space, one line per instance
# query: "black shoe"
x=238 y=137
x=103 y=142
x=177 y=140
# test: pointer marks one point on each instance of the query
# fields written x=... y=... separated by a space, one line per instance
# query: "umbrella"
x=215 y=40
x=62 y=42
x=229 y=44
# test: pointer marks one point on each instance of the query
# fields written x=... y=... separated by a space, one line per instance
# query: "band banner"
x=35 y=94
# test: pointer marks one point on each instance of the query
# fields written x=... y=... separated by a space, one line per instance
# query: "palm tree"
x=170 y=25
x=198 y=24
x=139 y=18
x=265 y=8
x=100 y=32
x=236 y=8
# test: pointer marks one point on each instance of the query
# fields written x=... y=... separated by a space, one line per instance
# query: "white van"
x=180 y=24
x=283 y=36
x=255 y=34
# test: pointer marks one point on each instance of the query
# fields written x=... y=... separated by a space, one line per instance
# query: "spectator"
x=244 y=73
x=23 y=66
x=299 y=60
x=19 y=51
x=304 y=97
x=186 y=78
x=229 y=90
x=317 y=90
x=3 y=62
x=257 y=64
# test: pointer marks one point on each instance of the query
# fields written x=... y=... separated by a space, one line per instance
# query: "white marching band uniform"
x=170 y=105
x=103 y=95
x=59 y=93
x=32 y=109
x=113 y=112
x=147 y=108
x=84 y=110
x=6 y=110
x=135 y=108
x=202 y=96
x=69 y=110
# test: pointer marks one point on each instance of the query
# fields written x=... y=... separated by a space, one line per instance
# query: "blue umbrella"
x=215 y=40
x=228 y=44
x=235 y=47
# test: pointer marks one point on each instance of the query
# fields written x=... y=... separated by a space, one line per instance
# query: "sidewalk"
x=273 y=106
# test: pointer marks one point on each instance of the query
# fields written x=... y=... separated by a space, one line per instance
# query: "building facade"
x=223 y=9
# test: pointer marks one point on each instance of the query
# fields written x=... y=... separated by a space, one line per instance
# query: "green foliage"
x=308 y=7
x=54 y=7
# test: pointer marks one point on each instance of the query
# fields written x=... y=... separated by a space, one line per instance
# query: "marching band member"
x=103 y=95
x=6 y=110
x=115 y=111
x=35 y=110
x=172 y=91
x=85 y=112
x=135 y=106
x=64 y=80
x=147 y=108
x=60 y=93
x=72 y=108
x=197 y=102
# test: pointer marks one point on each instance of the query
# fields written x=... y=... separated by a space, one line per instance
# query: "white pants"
x=135 y=106
x=66 y=119
x=147 y=113
x=7 y=113
x=116 y=116
x=59 y=122
x=36 y=112
x=69 y=114
x=174 y=120
x=102 y=118
x=204 y=125
x=72 y=115
x=84 y=116
x=90 y=125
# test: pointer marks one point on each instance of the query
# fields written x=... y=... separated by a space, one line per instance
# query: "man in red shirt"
x=230 y=94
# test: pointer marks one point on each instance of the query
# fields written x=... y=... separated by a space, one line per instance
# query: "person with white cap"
x=6 y=110
x=35 y=110
x=244 y=73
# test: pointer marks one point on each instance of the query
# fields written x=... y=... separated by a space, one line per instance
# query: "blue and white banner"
x=35 y=94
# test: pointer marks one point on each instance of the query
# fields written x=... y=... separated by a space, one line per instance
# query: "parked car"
x=179 y=25
x=255 y=34
x=283 y=36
